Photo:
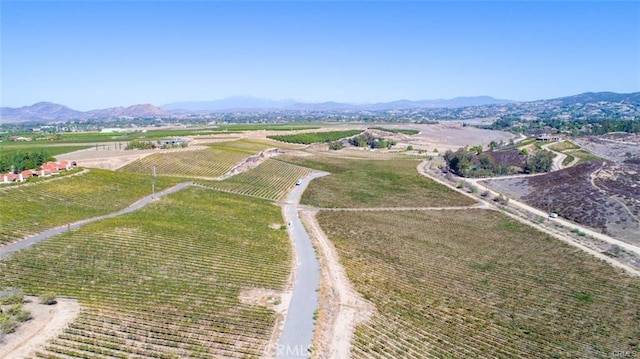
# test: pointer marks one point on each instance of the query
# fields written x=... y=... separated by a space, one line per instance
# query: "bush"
x=14 y=309
x=48 y=298
x=8 y=325
x=409 y=148
x=11 y=296
x=23 y=316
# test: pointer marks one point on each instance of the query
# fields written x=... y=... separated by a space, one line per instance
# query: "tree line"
x=22 y=160
x=472 y=162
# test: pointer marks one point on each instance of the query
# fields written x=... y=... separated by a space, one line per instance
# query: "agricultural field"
x=475 y=283
x=52 y=150
x=403 y=131
x=315 y=137
x=372 y=183
x=162 y=282
x=604 y=196
x=210 y=162
x=271 y=180
x=250 y=146
x=30 y=208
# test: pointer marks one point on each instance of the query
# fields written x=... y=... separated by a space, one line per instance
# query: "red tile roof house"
x=24 y=175
x=9 y=177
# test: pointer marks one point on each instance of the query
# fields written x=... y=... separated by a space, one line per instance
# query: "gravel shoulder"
x=341 y=308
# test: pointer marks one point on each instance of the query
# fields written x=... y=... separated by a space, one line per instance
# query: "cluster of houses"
x=47 y=169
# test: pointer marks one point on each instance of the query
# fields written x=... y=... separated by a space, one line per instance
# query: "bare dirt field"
x=447 y=135
x=47 y=322
x=112 y=159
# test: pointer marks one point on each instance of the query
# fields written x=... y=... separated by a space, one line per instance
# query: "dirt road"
x=549 y=230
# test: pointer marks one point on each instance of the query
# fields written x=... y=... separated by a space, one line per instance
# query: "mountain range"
x=51 y=112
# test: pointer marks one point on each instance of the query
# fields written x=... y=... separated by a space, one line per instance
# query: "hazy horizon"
x=91 y=55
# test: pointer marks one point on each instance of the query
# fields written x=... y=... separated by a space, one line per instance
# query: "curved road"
x=297 y=334
x=7 y=250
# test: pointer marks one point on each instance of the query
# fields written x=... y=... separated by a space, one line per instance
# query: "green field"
x=584 y=156
x=211 y=162
x=563 y=146
x=51 y=150
x=315 y=137
x=476 y=284
x=373 y=183
x=271 y=180
x=28 y=209
x=164 y=281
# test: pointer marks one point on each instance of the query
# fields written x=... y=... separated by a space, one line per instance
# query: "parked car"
x=298 y=182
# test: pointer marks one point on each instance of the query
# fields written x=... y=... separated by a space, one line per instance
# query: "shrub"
x=11 y=296
x=14 y=309
x=23 y=316
x=8 y=325
x=409 y=148
x=48 y=298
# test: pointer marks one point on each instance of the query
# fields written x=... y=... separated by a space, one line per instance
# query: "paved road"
x=7 y=250
x=297 y=334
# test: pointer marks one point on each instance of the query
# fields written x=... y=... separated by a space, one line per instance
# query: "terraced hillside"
x=374 y=183
x=27 y=209
x=474 y=283
x=165 y=281
x=270 y=180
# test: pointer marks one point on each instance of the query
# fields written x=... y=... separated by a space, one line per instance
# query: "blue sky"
x=100 y=54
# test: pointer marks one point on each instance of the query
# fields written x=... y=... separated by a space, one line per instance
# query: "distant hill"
x=591 y=97
x=253 y=103
x=131 y=111
x=41 y=111
x=52 y=112
x=229 y=103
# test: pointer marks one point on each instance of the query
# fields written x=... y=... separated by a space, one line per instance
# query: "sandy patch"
x=47 y=322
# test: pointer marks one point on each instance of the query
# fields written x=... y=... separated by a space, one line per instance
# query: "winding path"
x=9 y=249
x=297 y=335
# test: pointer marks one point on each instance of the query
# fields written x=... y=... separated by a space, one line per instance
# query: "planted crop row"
x=209 y=162
x=271 y=180
x=475 y=283
x=27 y=209
x=252 y=146
x=163 y=282
x=315 y=137
x=371 y=183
